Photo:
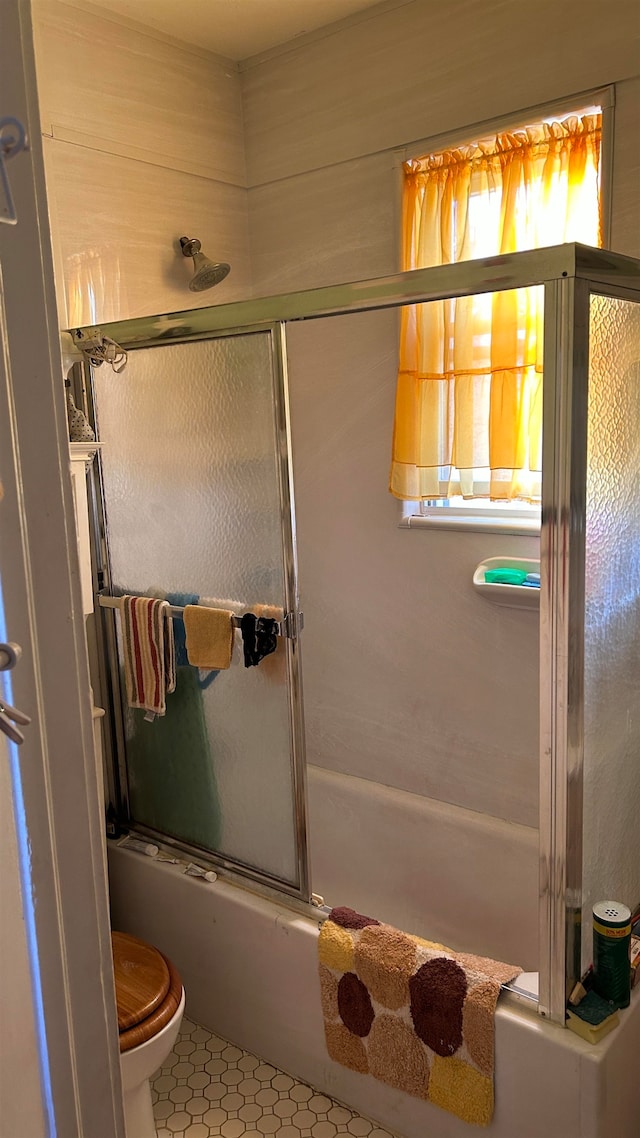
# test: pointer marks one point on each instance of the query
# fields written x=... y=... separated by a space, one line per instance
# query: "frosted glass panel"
x=192 y=499
x=611 y=869
x=190 y=470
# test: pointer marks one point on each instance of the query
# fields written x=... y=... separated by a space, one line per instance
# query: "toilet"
x=150 y=1003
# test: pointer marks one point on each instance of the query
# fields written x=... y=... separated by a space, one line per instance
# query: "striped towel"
x=149 y=653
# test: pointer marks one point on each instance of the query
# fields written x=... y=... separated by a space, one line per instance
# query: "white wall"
x=143 y=144
x=322 y=121
x=411 y=681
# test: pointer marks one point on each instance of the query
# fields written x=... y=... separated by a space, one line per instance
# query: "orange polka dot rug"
x=411 y=1013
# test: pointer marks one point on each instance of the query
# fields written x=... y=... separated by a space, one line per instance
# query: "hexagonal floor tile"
x=182 y=1070
x=233 y=1128
x=232 y=1076
x=248 y=1063
x=200 y=1057
x=215 y=1067
x=248 y=1087
x=178 y=1120
x=282 y=1083
x=231 y=1054
x=265 y=1072
x=304 y=1119
x=197 y=1106
x=180 y=1094
x=250 y=1112
x=320 y=1104
x=267 y=1097
x=324 y=1130
x=209 y=1088
x=300 y=1093
x=214 y=1117
x=199 y=1080
x=360 y=1127
x=164 y=1083
x=162 y=1110
x=268 y=1124
x=214 y=1092
x=231 y=1102
x=339 y=1114
x=286 y=1107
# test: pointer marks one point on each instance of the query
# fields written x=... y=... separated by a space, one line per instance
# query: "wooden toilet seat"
x=148 y=989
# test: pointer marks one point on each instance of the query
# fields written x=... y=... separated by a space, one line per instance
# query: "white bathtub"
x=250 y=974
x=449 y=874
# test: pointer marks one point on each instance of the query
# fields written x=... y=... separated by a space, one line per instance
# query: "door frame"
x=55 y=784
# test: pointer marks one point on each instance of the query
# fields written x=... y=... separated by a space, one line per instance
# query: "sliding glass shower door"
x=197 y=507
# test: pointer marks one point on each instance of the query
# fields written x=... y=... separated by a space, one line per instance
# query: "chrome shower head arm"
x=190 y=246
x=207 y=273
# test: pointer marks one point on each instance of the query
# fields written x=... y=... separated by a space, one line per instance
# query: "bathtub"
x=250 y=973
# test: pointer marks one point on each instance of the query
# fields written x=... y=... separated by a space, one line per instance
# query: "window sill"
x=522 y=526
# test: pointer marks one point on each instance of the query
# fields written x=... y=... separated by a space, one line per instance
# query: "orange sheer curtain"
x=469 y=398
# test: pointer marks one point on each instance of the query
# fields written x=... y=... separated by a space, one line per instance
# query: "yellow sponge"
x=592 y=1032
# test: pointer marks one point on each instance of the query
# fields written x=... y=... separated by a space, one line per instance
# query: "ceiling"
x=236 y=29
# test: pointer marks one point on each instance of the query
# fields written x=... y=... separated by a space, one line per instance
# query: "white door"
x=58 y=1042
x=23 y=1112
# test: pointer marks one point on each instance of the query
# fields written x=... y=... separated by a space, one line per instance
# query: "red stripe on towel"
x=155 y=662
x=137 y=656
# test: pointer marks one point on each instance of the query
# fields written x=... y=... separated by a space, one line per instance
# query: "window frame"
x=485 y=518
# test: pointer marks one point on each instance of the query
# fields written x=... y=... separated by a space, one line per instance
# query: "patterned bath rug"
x=411 y=1013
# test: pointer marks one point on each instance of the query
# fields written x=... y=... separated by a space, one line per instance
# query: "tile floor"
x=208 y=1087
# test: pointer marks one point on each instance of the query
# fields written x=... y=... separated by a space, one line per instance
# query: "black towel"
x=259 y=638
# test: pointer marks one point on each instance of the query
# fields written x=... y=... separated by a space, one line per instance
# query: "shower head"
x=207 y=272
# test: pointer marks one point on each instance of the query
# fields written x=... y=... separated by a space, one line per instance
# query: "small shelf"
x=513 y=596
x=84 y=452
x=81 y=456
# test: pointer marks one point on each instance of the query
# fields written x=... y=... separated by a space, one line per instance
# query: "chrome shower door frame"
x=107 y=636
x=562 y=611
x=562 y=563
x=569 y=274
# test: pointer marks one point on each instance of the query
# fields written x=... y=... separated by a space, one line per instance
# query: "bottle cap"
x=613 y=914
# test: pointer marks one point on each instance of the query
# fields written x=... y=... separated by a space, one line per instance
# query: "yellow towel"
x=209 y=636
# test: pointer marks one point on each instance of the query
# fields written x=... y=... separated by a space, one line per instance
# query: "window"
x=468 y=421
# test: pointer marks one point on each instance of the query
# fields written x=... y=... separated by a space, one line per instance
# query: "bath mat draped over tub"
x=411 y=1013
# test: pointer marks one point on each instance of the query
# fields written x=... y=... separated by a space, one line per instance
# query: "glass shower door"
x=611 y=773
x=197 y=508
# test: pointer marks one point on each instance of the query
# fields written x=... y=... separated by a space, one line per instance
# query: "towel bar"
x=290 y=627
